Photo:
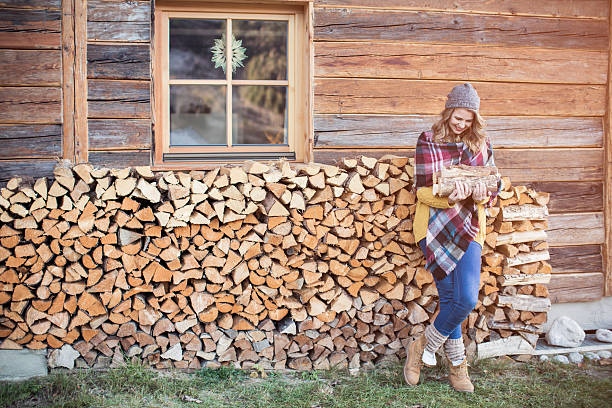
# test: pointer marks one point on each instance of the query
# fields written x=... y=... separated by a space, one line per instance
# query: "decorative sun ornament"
x=238 y=53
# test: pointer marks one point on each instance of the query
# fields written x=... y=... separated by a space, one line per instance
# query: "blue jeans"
x=458 y=291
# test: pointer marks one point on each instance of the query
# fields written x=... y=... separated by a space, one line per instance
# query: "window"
x=231 y=83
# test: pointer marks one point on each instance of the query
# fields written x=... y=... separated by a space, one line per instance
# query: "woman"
x=450 y=231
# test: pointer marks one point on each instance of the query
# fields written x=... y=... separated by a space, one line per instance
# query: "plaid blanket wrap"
x=451 y=230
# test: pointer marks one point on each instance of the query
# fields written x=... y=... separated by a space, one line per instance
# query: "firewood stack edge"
x=287 y=266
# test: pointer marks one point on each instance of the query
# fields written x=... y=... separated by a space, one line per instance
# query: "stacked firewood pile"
x=301 y=266
x=514 y=297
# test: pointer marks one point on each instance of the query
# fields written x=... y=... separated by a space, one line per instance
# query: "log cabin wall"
x=383 y=70
x=119 y=82
x=30 y=87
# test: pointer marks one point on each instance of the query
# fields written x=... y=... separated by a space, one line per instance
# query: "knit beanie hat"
x=463 y=96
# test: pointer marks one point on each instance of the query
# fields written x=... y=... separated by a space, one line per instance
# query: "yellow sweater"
x=426 y=199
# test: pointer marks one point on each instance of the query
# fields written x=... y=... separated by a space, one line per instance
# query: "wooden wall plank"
x=576 y=287
x=580 y=196
x=118 y=20
x=433 y=27
x=399 y=96
x=119 y=133
x=556 y=8
x=41 y=141
x=510 y=162
x=119 y=99
x=580 y=258
x=576 y=229
x=118 y=61
x=27 y=67
x=386 y=131
x=18 y=104
x=120 y=159
x=32 y=4
x=30 y=29
x=459 y=62
x=25 y=168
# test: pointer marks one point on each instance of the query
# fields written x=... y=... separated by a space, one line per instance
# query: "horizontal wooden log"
x=524 y=166
x=553 y=8
x=42 y=141
x=32 y=4
x=520 y=165
x=512 y=345
x=118 y=61
x=17 y=104
x=120 y=159
x=525 y=302
x=403 y=131
x=133 y=31
x=19 y=168
x=30 y=29
x=401 y=96
x=118 y=10
x=460 y=62
x=579 y=258
x=28 y=67
x=572 y=197
x=431 y=27
x=119 y=134
x=118 y=99
x=445 y=186
x=524 y=212
x=576 y=229
x=576 y=287
x=523 y=279
x=515 y=326
x=521 y=236
x=117 y=20
x=529 y=257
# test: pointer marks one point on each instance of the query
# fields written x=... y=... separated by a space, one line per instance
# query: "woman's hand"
x=462 y=191
x=480 y=192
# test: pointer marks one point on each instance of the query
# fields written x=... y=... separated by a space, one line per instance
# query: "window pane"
x=191 y=48
x=259 y=114
x=197 y=115
x=266 y=49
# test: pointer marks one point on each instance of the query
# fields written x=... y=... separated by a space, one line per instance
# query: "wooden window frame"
x=299 y=85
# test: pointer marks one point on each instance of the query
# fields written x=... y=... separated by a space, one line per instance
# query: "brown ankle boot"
x=414 y=362
x=459 y=378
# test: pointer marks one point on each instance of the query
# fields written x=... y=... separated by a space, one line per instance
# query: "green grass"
x=498 y=382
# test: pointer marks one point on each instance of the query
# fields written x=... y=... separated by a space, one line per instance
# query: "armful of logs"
x=444 y=181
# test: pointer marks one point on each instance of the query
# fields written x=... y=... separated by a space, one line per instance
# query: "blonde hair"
x=474 y=137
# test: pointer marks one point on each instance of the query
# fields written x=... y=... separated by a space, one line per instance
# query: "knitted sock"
x=434 y=339
x=455 y=350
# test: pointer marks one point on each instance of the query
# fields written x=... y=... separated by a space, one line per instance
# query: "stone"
x=174 y=353
x=575 y=357
x=17 y=365
x=604 y=335
x=604 y=354
x=560 y=358
x=565 y=332
x=63 y=357
x=589 y=355
x=544 y=357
